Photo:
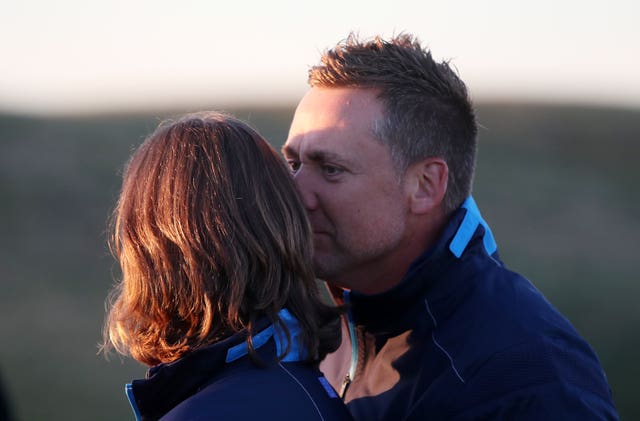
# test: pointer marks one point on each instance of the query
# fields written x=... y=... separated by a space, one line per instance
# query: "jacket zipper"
x=348 y=378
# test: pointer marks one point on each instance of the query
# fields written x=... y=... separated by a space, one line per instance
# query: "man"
x=382 y=148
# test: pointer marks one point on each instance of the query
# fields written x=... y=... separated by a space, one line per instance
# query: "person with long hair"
x=217 y=292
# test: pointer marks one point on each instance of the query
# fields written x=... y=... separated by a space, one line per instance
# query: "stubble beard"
x=353 y=264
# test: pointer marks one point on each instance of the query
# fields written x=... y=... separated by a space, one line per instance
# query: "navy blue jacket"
x=220 y=382
x=463 y=338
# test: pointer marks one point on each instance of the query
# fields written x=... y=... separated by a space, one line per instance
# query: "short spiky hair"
x=428 y=112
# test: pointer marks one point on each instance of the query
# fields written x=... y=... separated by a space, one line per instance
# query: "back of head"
x=210 y=236
x=428 y=112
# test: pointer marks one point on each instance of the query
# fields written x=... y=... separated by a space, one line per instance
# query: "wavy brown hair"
x=211 y=236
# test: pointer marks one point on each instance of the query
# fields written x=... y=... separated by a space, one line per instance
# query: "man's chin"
x=321 y=266
x=322 y=249
x=330 y=271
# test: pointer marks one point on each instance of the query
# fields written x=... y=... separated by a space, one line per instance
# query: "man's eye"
x=331 y=170
x=294 y=166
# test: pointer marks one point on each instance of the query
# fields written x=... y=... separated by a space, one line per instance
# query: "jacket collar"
x=166 y=385
x=395 y=310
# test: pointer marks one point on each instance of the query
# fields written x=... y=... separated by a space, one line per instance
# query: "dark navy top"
x=220 y=382
x=464 y=338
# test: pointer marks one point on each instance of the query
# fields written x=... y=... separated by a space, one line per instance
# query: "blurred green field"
x=556 y=183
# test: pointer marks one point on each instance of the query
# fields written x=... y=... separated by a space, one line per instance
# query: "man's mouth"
x=317 y=232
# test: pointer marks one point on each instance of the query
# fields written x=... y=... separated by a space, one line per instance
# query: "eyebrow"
x=317 y=155
x=324 y=156
x=287 y=150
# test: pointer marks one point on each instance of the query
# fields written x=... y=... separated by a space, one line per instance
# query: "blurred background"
x=557 y=90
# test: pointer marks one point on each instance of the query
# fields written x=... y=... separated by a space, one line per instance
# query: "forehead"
x=339 y=119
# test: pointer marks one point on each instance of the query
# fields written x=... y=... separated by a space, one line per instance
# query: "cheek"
x=366 y=220
x=354 y=211
x=351 y=220
x=386 y=215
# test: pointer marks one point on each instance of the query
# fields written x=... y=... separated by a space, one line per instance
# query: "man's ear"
x=426 y=184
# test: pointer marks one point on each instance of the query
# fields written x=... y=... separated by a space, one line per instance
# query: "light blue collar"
x=296 y=351
x=470 y=223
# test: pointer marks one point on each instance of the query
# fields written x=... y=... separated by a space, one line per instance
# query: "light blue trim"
x=241 y=350
x=327 y=387
x=352 y=336
x=296 y=353
x=468 y=226
x=128 y=388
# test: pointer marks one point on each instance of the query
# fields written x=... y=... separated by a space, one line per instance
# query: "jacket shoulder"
x=546 y=378
x=284 y=391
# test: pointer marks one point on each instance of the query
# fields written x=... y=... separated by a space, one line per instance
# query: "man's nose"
x=306 y=188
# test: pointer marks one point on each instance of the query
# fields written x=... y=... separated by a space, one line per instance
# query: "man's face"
x=353 y=196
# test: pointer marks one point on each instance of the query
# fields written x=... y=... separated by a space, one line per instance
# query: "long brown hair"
x=210 y=235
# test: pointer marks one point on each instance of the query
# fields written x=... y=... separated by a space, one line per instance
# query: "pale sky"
x=65 y=56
